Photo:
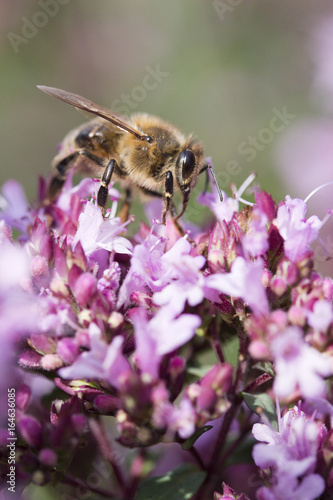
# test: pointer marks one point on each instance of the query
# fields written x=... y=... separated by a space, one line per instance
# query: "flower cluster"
x=291 y=456
x=168 y=337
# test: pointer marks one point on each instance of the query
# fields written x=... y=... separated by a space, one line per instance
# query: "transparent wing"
x=82 y=103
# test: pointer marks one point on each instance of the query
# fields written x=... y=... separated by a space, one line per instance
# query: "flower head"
x=296 y=231
x=291 y=454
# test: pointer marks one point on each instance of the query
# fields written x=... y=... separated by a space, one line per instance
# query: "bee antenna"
x=211 y=169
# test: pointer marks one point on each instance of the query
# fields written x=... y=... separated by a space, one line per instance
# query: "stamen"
x=245 y=185
x=249 y=203
x=113 y=209
x=316 y=190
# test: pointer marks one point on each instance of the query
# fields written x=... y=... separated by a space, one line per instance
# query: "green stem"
x=75 y=481
x=106 y=451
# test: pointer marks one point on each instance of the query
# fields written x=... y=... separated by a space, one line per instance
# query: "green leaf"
x=179 y=484
x=192 y=439
x=265 y=366
x=198 y=371
x=262 y=403
x=230 y=349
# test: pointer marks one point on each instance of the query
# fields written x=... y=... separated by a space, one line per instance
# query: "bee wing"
x=82 y=103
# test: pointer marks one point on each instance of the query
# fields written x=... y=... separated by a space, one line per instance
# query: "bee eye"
x=148 y=138
x=186 y=162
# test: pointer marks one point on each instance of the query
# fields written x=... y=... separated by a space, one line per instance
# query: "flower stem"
x=197 y=456
x=258 y=381
x=106 y=451
x=213 y=479
x=75 y=481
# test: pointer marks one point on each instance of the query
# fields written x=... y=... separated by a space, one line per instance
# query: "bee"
x=142 y=152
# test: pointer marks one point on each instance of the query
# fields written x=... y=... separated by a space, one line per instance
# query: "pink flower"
x=15 y=210
x=83 y=190
x=297 y=365
x=223 y=210
x=255 y=241
x=15 y=265
x=146 y=269
x=322 y=315
x=95 y=233
x=187 y=285
x=291 y=454
x=152 y=268
x=102 y=361
x=296 y=231
x=161 y=335
x=181 y=419
x=244 y=281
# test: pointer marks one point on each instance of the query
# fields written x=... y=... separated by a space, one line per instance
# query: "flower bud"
x=59 y=287
x=327 y=286
x=23 y=397
x=258 y=349
x=48 y=457
x=106 y=404
x=68 y=350
x=51 y=362
x=79 y=423
x=31 y=430
x=115 y=320
x=42 y=343
x=39 y=266
x=278 y=286
x=84 y=289
x=296 y=315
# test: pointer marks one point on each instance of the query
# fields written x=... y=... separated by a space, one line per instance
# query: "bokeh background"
x=224 y=69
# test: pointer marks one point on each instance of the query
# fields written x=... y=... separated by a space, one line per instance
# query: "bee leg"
x=124 y=212
x=102 y=195
x=167 y=196
x=61 y=170
x=205 y=169
x=178 y=225
x=186 y=197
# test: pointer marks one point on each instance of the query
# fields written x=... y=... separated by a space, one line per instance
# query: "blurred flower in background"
x=305 y=152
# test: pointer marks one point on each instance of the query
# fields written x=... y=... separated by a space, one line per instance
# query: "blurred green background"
x=226 y=64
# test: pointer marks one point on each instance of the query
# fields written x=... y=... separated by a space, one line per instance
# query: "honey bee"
x=142 y=151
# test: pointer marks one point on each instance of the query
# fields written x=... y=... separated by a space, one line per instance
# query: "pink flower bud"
x=206 y=400
x=23 y=397
x=218 y=378
x=328 y=288
x=68 y=350
x=84 y=289
x=48 y=457
x=31 y=430
x=106 y=404
x=79 y=423
x=59 y=287
x=259 y=350
x=266 y=204
x=42 y=343
x=51 y=362
x=176 y=366
x=278 y=286
x=296 y=315
x=115 y=320
x=39 y=266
